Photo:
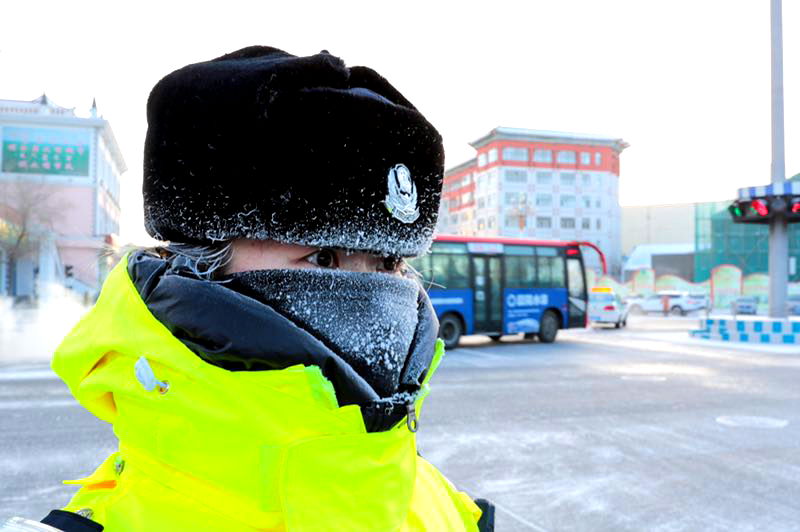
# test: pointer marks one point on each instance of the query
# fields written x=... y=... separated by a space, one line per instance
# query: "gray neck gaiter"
x=369 y=319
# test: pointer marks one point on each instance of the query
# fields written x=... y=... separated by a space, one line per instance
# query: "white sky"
x=685 y=82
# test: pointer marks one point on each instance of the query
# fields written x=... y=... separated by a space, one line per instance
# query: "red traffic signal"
x=762 y=210
x=761 y=207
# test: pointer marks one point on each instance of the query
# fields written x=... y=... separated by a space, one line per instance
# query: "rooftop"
x=41 y=105
x=43 y=111
x=513 y=133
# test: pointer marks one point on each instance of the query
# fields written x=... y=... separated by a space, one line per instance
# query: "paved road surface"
x=603 y=430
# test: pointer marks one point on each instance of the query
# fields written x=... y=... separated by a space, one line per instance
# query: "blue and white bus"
x=498 y=286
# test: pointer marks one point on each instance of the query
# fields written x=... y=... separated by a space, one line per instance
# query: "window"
x=587 y=202
x=493 y=155
x=567 y=178
x=514 y=222
x=550 y=268
x=454 y=219
x=587 y=179
x=576 y=281
x=566 y=157
x=481 y=224
x=490 y=224
x=586 y=158
x=481 y=203
x=598 y=158
x=586 y=223
x=467 y=198
x=467 y=180
x=567 y=200
x=520 y=270
x=544 y=178
x=482 y=159
x=544 y=200
x=515 y=154
x=567 y=223
x=450 y=271
x=516 y=176
x=543 y=156
x=597 y=203
x=515 y=199
x=597 y=225
x=542 y=222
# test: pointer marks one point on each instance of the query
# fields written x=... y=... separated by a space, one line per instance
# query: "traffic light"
x=762 y=210
x=68 y=270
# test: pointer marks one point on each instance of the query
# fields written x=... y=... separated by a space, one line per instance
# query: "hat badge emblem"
x=401 y=199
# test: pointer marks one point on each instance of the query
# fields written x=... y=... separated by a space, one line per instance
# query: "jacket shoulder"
x=437 y=505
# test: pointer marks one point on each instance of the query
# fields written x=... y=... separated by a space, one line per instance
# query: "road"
x=638 y=429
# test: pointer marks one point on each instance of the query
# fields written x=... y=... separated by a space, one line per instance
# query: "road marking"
x=51 y=403
x=27 y=375
x=519 y=518
x=645 y=378
x=752 y=422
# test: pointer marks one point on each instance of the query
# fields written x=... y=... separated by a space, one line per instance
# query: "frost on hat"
x=264 y=145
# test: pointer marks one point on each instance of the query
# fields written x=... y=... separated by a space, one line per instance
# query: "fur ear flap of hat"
x=265 y=145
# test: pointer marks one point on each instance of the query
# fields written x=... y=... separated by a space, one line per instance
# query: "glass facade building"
x=720 y=241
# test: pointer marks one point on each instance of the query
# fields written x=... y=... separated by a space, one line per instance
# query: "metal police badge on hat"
x=402 y=197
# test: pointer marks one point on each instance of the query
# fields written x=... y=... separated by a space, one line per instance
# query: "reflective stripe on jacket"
x=211 y=449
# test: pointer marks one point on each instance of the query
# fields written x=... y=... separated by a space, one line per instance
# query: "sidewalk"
x=672 y=337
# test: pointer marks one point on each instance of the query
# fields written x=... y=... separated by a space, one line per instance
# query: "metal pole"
x=778 y=228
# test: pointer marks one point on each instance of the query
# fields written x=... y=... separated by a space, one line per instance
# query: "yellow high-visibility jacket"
x=211 y=449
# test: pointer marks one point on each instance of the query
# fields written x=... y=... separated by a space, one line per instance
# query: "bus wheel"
x=548 y=327
x=495 y=337
x=450 y=330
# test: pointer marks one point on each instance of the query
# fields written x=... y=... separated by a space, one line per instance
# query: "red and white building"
x=538 y=184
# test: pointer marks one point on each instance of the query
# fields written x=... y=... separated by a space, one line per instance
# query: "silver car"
x=745 y=305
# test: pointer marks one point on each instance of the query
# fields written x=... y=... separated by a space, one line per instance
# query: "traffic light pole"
x=778 y=227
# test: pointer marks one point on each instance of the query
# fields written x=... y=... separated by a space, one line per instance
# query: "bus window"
x=450 y=271
x=577 y=287
x=422 y=265
x=520 y=266
x=520 y=272
x=551 y=272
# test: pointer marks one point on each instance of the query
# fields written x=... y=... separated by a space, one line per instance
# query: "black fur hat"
x=265 y=145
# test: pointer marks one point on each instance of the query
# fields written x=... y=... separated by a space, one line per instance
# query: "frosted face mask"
x=369 y=319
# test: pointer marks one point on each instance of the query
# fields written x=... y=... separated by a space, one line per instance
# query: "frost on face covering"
x=369 y=319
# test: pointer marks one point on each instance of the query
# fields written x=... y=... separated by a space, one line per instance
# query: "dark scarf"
x=239 y=333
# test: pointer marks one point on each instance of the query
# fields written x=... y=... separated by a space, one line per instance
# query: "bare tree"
x=28 y=210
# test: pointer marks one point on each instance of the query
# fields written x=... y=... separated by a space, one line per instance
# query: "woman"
x=265 y=370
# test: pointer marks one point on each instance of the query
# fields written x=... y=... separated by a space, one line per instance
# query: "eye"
x=324 y=258
x=392 y=265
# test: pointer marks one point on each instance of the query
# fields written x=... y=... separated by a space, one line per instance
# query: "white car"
x=668 y=301
x=606 y=307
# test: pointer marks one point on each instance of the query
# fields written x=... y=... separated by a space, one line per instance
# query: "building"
x=657 y=224
x=692 y=239
x=718 y=241
x=664 y=259
x=538 y=184
x=59 y=196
